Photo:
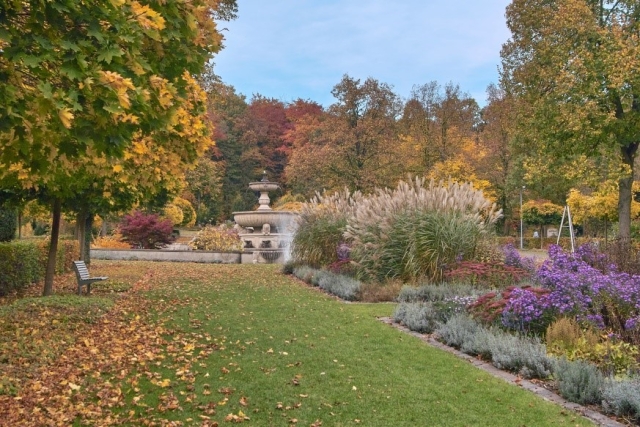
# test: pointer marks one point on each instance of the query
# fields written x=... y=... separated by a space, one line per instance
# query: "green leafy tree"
x=89 y=86
x=574 y=65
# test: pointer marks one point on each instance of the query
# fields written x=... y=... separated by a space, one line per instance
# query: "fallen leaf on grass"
x=240 y=418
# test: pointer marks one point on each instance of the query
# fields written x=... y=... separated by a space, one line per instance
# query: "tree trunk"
x=53 y=249
x=624 y=192
x=80 y=231
x=84 y=222
x=88 y=224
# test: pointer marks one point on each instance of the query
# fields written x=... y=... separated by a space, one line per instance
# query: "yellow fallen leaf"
x=74 y=387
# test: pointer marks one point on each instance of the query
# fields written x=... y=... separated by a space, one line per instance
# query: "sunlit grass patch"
x=281 y=353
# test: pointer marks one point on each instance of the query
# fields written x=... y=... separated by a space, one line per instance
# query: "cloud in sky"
x=289 y=49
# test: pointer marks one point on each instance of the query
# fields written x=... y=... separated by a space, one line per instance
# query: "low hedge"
x=24 y=262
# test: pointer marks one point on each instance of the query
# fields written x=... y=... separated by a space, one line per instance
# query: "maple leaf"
x=66 y=116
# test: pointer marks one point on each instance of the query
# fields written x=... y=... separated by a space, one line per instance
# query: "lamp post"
x=521 y=223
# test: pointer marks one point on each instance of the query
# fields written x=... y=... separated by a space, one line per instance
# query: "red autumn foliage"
x=485 y=274
x=146 y=231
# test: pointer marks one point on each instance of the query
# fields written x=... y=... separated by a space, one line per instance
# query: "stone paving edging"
x=597 y=417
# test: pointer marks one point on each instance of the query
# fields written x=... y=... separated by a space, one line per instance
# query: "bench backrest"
x=81 y=270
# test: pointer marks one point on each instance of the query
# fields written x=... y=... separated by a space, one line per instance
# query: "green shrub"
x=579 y=381
x=523 y=355
x=415 y=231
x=20 y=266
x=68 y=251
x=8 y=224
x=24 y=262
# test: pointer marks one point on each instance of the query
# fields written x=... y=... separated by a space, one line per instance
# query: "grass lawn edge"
x=595 y=416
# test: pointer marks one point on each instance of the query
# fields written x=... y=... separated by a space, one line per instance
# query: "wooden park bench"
x=82 y=274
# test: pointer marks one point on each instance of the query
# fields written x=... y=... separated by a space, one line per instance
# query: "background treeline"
x=371 y=137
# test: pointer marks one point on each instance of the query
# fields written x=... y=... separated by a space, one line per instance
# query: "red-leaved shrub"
x=146 y=231
x=487 y=274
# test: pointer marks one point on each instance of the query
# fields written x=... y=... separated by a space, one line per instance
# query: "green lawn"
x=199 y=344
x=295 y=356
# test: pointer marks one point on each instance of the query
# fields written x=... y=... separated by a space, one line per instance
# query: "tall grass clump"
x=321 y=225
x=417 y=229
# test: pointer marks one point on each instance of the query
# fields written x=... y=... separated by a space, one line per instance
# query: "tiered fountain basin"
x=256 y=219
x=265 y=233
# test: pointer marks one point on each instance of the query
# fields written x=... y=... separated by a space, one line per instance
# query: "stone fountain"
x=266 y=233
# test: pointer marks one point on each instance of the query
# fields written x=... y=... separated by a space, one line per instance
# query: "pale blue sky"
x=289 y=49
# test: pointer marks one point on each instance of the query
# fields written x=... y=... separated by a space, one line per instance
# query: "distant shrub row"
x=24 y=263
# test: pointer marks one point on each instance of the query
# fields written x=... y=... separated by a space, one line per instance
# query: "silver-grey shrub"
x=526 y=356
x=523 y=355
x=479 y=344
x=622 y=397
x=415 y=230
x=467 y=335
x=458 y=330
x=341 y=286
x=304 y=273
x=579 y=381
x=418 y=317
x=440 y=292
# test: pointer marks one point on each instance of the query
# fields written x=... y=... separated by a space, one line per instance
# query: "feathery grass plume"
x=321 y=225
x=416 y=229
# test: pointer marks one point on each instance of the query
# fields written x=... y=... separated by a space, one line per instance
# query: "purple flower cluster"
x=512 y=258
x=523 y=308
x=577 y=289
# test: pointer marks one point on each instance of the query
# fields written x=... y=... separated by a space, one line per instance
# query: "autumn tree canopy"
x=574 y=64
x=354 y=143
x=90 y=86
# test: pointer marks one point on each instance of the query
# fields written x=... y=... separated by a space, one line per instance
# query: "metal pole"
x=521 y=222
